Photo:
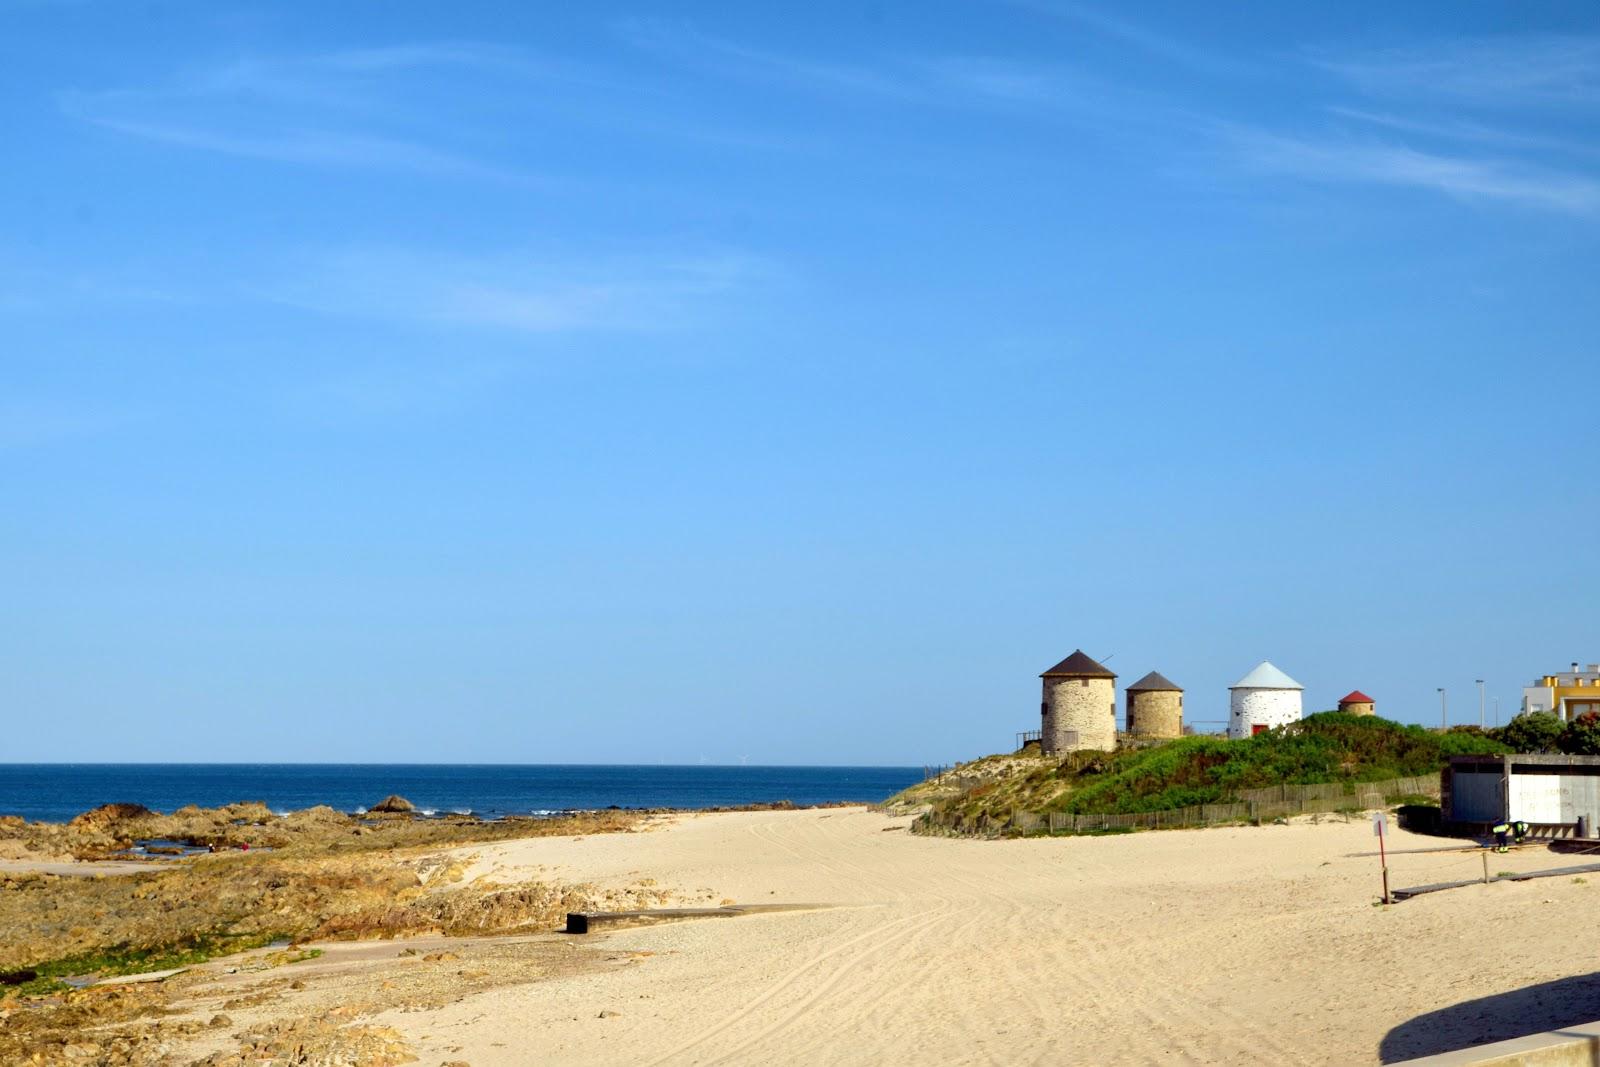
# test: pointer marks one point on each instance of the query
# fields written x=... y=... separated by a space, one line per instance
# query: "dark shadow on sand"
x=1530 y=1010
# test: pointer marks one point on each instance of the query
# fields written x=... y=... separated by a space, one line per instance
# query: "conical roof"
x=1155 y=681
x=1356 y=696
x=1266 y=676
x=1077 y=665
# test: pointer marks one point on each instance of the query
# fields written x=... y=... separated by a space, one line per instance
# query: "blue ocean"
x=56 y=792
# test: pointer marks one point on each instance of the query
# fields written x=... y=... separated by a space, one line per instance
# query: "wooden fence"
x=1253 y=805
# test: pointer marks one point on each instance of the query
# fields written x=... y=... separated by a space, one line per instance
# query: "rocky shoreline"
x=272 y=883
x=113 y=831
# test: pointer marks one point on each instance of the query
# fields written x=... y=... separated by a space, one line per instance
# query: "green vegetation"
x=1537 y=731
x=1322 y=748
x=1330 y=747
x=1541 y=731
x=1582 y=735
x=128 y=960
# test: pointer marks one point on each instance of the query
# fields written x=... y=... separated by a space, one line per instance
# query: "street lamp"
x=1444 y=714
x=1481 y=722
x=1497 y=712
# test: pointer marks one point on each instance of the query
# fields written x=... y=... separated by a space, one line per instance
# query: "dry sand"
x=70 y=868
x=1246 y=945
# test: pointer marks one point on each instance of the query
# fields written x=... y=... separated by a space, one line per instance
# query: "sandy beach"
x=1247 y=945
x=1242 y=945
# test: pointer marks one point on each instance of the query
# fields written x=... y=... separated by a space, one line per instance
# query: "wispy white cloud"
x=944 y=81
x=1448 y=129
x=1437 y=94
x=30 y=285
x=517 y=291
x=1503 y=72
x=317 y=147
x=1461 y=177
x=1162 y=46
x=683 y=42
x=343 y=108
x=997 y=79
x=524 y=293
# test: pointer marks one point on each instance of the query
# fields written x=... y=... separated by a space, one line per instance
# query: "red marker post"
x=1380 y=822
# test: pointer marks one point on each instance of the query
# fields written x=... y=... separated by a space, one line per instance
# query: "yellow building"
x=1567 y=694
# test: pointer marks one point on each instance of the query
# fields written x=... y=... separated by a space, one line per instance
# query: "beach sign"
x=1380 y=823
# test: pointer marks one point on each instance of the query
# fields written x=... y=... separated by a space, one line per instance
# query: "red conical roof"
x=1355 y=696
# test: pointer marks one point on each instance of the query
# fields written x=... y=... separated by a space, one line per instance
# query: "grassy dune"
x=1327 y=747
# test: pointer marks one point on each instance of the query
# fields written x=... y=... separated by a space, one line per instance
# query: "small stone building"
x=1155 y=707
x=1356 y=702
x=1261 y=700
x=1079 y=708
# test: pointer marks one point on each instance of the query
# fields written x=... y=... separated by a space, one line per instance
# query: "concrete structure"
x=1567 y=694
x=1261 y=700
x=1155 y=707
x=1539 y=789
x=1571 y=1046
x=1356 y=702
x=1079 y=708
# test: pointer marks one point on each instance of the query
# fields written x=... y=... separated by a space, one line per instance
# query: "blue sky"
x=540 y=383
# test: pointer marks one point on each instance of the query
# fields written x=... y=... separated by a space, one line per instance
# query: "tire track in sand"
x=884 y=934
x=789 y=977
x=858 y=995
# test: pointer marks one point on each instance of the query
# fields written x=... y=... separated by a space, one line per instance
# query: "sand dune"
x=1247 y=945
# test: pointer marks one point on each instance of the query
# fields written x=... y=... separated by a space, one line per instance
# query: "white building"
x=1262 y=699
x=1566 y=694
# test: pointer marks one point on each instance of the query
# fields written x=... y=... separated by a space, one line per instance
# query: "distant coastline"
x=55 y=792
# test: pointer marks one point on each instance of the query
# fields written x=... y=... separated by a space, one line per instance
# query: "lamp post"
x=1444 y=712
x=1497 y=712
x=1481 y=722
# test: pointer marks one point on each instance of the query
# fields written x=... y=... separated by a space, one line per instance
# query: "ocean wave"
x=429 y=811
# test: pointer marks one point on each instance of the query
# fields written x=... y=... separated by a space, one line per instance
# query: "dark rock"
x=393 y=804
